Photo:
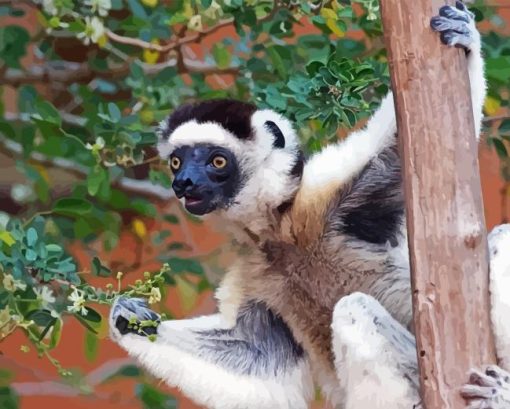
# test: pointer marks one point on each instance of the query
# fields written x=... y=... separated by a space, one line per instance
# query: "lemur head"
x=228 y=156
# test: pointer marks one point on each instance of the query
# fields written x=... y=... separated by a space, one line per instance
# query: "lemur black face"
x=206 y=176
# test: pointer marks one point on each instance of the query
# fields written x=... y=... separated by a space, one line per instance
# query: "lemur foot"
x=457 y=26
x=132 y=316
x=489 y=390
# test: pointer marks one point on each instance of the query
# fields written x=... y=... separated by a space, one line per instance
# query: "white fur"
x=476 y=71
x=214 y=387
x=499 y=249
x=267 y=186
x=191 y=133
x=367 y=366
x=337 y=164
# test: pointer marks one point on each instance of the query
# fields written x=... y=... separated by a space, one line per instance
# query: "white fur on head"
x=269 y=183
x=266 y=169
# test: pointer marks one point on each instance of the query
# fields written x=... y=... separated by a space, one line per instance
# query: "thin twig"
x=136 y=42
x=491 y=119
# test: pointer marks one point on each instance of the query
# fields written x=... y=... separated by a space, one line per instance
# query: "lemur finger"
x=479 y=404
x=454 y=39
x=477 y=392
x=440 y=23
x=454 y=13
x=482 y=379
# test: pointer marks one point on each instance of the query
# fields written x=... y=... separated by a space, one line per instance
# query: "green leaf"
x=100 y=270
x=185 y=265
x=95 y=178
x=7 y=238
x=8 y=398
x=13 y=45
x=280 y=58
x=48 y=327
x=221 y=55
x=31 y=236
x=41 y=317
x=72 y=207
x=92 y=315
x=56 y=334
x=47 y=112
x=91 y=346
x=54 y=249
x=499 y=146
x=171 y=218
x=30 y=255
x=114 y=112
x=154 y=399
x=504 y=127
x=85 y=323
x=206 y=3
x=497 y=68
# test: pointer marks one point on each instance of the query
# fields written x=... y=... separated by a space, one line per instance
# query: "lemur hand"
x=457 y=26
x=489 y=390
x=132 y=316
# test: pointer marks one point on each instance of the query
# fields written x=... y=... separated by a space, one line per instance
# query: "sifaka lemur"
x=322 y=290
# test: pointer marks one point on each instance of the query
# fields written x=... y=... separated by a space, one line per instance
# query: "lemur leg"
x=256 y=364
x=375 y=356
x=492 y=388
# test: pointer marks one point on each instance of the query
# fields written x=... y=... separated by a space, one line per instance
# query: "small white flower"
x=78 y=301
x=44 y=296
x=94 y=30
x=155 y=295
x=10 y=284
x=100 y=6
x=98 y=145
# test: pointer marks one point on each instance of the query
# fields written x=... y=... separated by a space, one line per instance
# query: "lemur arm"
x=375 y=356
x=253 y=365
x=491 y=389
x=337 y=164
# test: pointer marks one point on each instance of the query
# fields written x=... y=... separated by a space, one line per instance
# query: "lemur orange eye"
x=175 y=163
x=219 y=162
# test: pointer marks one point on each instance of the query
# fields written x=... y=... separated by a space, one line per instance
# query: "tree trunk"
x=446 y=229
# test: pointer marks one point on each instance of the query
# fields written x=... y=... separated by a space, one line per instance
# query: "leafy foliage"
x=104 y=73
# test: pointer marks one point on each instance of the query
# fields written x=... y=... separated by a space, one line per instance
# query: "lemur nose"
x=181 y=186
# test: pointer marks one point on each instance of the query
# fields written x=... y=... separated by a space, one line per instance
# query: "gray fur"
x=259 y=344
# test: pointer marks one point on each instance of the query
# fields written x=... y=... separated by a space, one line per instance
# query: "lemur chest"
x=303 y=285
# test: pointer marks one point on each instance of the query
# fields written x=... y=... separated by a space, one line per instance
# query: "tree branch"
x=82 y=72
x=134 y=186
x=172 y=45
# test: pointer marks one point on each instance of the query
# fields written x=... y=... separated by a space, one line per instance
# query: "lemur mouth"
x=192 y=200
x=195 y=204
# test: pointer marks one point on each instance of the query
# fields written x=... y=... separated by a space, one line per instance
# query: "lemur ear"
x=279 y=139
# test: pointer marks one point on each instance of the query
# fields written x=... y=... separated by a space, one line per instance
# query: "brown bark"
x=447 y=235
